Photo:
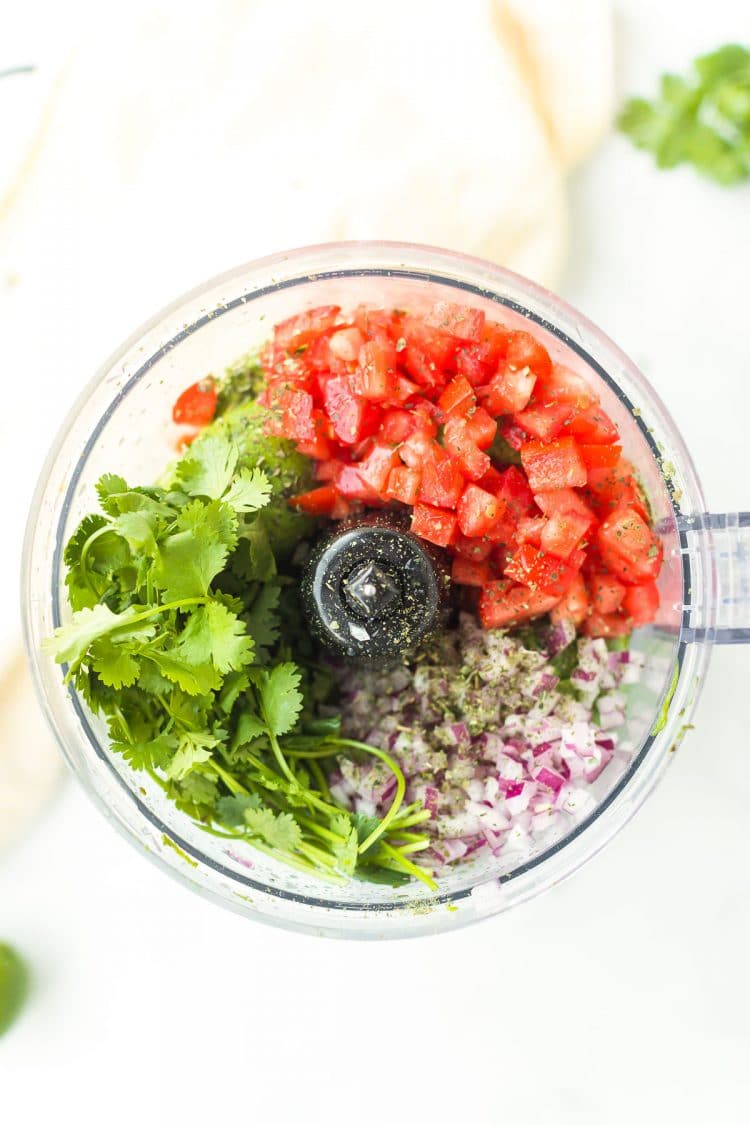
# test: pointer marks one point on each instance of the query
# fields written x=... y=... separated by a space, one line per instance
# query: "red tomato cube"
x=470 y=459
x=458 y=397
x=557 y=465
x=641 y=603
x=465 y=572
x=524 y=350
x=481 y=428
x=196 y=405
x=477 y=511
x=299 y=330
x=376 y=467
x=442 y=483
x=318 y=501
x=539 y=571
x=350 y=416
x=593 y=427
x=606 y=593
x=456 y=320
x=530 y=529
x=403 y=485
x=433 y=524
x=375 y=378
x=508 y=391
x=476 y=550
x=353 y=486
x=607 y=625
x=629 y=548
x=563 y=531
x=564 y=385
x=563 y=500
x=545 y=422
x=600 y=456
x=502 y=604
x=573 y=605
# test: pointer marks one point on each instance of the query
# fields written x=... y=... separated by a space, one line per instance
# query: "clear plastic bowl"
x=120 y=424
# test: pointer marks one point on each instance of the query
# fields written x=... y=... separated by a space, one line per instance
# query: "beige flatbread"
x=30 y=762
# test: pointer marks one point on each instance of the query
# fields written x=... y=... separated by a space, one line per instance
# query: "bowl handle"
x=724 y=617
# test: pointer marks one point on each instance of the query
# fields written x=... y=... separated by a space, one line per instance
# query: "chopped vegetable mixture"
x=187 y=632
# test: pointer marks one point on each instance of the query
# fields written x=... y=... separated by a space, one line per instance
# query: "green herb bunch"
x=703 y=119
x=185 y=636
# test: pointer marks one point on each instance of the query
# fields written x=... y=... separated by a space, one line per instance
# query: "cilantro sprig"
x=702 y=119
x=185 y=636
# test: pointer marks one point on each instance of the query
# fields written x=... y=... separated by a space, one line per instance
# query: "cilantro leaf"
x=254 y=559
x=208 y=468
x=113 y=663
x=70 y=643
x=280 y=699
x=194 y=748
x=231 y=810
x=249 y=491
x=278 y=830
x=702 y=119
x=194 y=679
x=249 y=726
x=191 y=557
x=213 y=633
x=154 y=753
x=262 y=619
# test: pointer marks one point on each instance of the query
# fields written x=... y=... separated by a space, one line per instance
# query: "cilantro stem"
x=407 y=865
x=400 y=787
x=319 y=830
x=231 y=783
x=300 y=864
x=417 y=846
x=316 y=854
x=320 y=779
x=278 y=755
x=409 y=821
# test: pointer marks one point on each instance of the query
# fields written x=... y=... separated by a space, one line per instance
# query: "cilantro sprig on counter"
x=702 y=119
x=185 y=636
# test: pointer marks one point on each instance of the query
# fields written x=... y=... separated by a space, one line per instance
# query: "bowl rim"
x=463 y=265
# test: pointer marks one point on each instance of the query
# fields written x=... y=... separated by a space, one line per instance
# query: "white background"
x=622 y=994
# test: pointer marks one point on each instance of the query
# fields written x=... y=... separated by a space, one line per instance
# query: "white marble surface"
x=621 y=995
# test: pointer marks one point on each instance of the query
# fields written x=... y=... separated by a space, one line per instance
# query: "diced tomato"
x=607 y=625
x=557 y=465
x=516 y=503
x=376 y=322
x=296 y=419
x=563 y=532
x=468 y=573
x=328 y=469
x=436 y=346
x=641 y=603
x=375 y=378
x=508 y=391
x=477 y=550
x=512 y=434
x=611 y=489
x=397 y=426
x=196 y=405
x=403 y=485
x=492 y=480
x=349 y=415
x=526 y=351
x=433 y=524
x=458 y=397
x=470 y=459
x=476 y=363
x=405 y=389
x=545 y=421
x=606 y=593
x=442 y=483
x=477 y=511
x=353 y=486
x=481 y=428
x=185 y=440
x=501 y=604
x=319 y=450
x=345 y=344
x=629 y=548
x=600 y=456
x=496 y=338
x=456 y=320
x=573 y=605
x=564 y=385
x=375 y=468
x=318 y=501
x=416 y=449
x=530 y=529
x=540 y=571
x=423 y=370
x=593 y=427
x=563 y=500
x=301 y=329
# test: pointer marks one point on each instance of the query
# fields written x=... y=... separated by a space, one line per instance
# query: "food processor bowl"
x=122 y=423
